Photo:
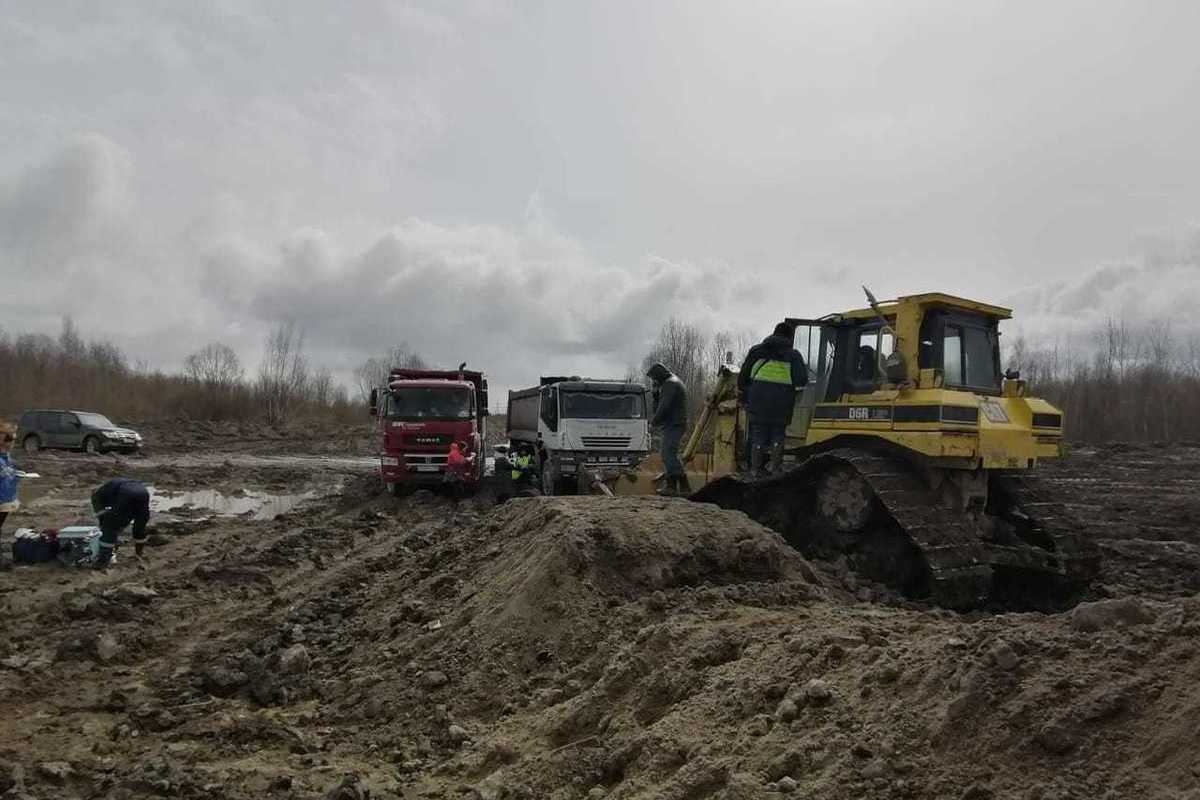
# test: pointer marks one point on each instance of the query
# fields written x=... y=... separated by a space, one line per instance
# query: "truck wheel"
x=399 y=489
x=31 y=444
x=91 y=445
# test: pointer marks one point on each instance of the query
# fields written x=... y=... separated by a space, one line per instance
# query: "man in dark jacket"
x=771 y=375
x=118 y=503
x=670 y=417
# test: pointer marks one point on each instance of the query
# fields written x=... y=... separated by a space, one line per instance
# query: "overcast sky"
x=533 y=187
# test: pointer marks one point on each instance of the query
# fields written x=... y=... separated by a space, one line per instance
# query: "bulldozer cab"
x=931 y=341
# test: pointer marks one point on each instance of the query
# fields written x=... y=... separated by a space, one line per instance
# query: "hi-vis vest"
x=772 y=371
x=520 y=464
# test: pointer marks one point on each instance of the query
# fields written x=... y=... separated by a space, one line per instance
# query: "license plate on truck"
x=426 y=468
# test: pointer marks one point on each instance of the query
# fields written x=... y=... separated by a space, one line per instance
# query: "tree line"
x=40 y=371
x=1122 y=382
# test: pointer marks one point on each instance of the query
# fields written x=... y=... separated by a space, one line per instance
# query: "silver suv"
x=74 y=430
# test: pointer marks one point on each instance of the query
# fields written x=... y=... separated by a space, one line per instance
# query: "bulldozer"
x=913 y=455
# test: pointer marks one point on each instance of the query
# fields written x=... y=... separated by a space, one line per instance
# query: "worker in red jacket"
x=456 y=461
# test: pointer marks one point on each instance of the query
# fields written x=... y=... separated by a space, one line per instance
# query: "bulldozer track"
x=962 y=551
x=1077 y=554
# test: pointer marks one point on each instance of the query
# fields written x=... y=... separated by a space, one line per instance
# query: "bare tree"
x=215 y=365
x=373 y=373
x=283 y=373
x=727 y=347
x=321 y=389
x=70 y=344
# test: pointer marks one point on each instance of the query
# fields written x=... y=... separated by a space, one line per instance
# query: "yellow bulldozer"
x=913 y=454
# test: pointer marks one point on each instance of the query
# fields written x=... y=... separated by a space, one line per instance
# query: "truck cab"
x=420 y=414
x=598 y=428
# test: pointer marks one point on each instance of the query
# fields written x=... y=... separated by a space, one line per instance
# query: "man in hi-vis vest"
x=771 y=375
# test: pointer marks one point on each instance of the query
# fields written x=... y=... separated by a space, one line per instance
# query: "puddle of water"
x=257 y=505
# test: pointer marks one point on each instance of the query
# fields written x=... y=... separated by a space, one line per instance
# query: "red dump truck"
x=420 y=413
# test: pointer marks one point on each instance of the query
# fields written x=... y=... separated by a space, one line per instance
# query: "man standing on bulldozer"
x=771 y=375
x=670 y=417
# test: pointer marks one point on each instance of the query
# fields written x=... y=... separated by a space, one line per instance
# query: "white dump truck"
x=597 y=430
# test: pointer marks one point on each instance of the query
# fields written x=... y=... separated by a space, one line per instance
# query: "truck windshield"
x=602 y=405
x=424 y=402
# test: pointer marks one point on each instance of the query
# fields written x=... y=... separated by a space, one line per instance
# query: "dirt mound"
x=578 y=648
x=565 y=555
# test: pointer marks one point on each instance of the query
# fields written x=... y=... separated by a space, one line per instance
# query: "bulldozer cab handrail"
x=726 y=378
x=829 y=319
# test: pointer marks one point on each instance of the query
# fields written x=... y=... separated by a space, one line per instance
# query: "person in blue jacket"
x=118 y=503
x=10 y=478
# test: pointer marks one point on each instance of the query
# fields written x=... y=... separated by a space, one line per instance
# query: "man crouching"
x=118 y=503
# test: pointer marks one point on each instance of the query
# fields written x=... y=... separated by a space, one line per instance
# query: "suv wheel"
x=31 y=444
x=91 y=445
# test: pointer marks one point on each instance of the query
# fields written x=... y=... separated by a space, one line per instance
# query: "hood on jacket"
x=658 y=372
x=778 y=345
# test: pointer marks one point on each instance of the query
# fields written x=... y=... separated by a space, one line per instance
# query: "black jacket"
x=670 y=410
x=127 y=501
x=772 y=403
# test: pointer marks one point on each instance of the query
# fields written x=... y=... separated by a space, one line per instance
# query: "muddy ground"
x=317 y=638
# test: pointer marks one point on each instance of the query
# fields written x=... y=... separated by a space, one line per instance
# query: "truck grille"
x=428 y=439
x=606 y=442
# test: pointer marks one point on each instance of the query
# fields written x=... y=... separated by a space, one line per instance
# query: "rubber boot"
x=757 y=456
x=684 y=486
x=776 y=459
x=669 y=489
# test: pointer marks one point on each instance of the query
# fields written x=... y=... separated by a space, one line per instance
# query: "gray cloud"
x=517 y=301
x=1158 y=282
x=78 y=198
x=535 y=187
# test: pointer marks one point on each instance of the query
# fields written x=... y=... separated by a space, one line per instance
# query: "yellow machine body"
x=912 y=453
x=956 y=427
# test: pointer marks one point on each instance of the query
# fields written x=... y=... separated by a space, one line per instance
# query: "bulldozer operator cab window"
x=970 y=357
x=873 y=346
x=425 y=402
x=602 y=405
